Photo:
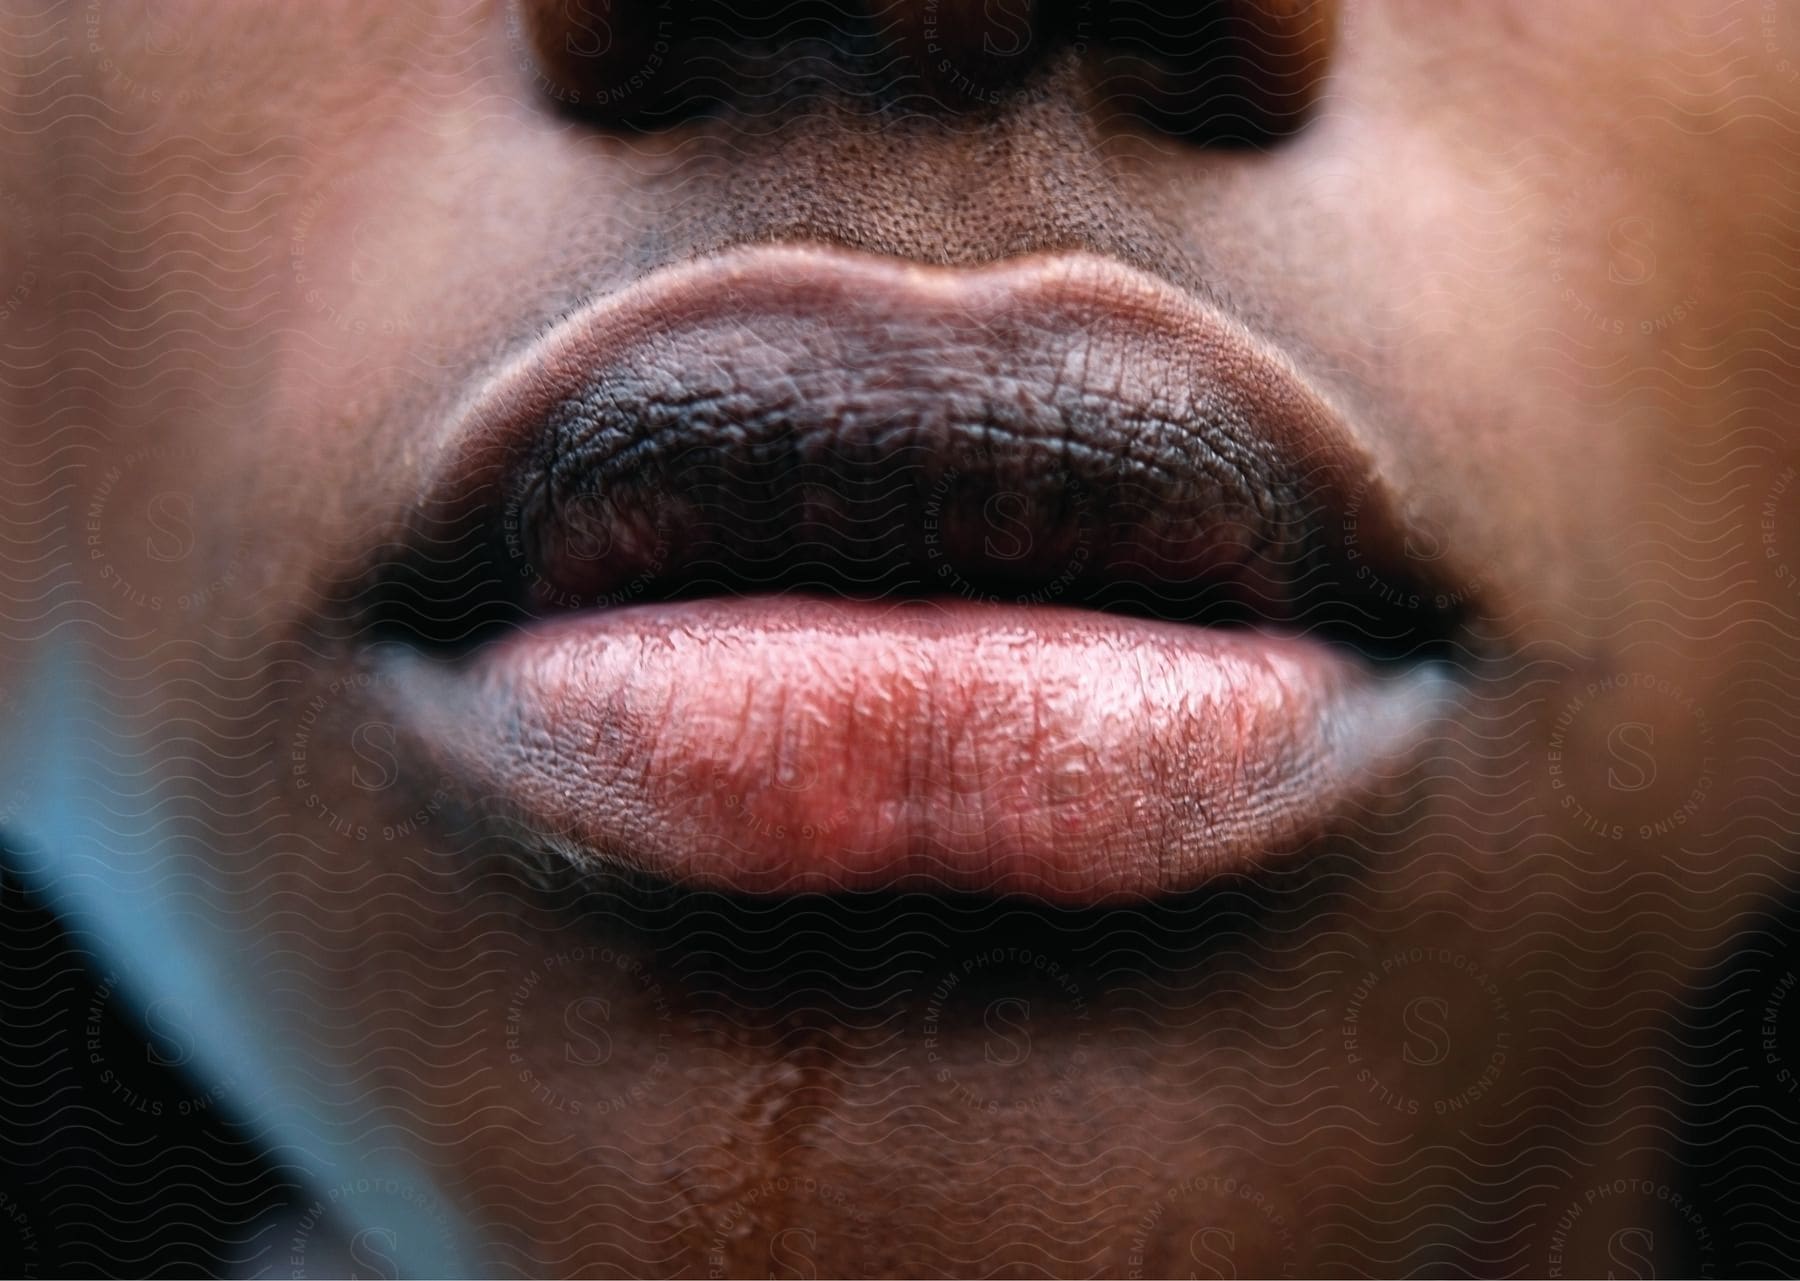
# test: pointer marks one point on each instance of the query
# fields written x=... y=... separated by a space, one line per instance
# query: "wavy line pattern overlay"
x=292 y=992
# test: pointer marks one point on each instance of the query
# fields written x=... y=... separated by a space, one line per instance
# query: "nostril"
x=1222 y=72
x=1218 y=71
x=611 y=59
x=642 y=64
x=964 y=53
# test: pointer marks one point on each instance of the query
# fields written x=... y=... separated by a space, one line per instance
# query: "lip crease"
x=782 y=742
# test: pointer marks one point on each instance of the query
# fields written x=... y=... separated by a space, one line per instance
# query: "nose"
x=1217 y=71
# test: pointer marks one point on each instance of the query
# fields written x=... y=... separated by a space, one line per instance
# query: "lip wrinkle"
x=1201 y=451
x=1176 y=720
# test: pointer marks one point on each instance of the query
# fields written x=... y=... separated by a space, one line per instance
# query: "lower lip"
x=787 y=745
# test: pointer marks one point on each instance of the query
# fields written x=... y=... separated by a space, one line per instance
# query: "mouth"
x=798 y=570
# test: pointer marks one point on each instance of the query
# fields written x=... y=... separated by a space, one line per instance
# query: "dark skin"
x=1541 y=248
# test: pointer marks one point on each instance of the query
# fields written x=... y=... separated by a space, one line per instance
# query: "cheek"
x=359 y=258
x=1562 y=169
x=1633 y=256
x=253 y=77
x=154 y=55
x=153 y=544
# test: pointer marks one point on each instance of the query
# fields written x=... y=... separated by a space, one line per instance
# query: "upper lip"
x=785 y=416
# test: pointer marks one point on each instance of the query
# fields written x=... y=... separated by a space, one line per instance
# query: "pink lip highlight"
x=779 y=745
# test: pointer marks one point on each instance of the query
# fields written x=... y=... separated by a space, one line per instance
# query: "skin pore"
x=255 y=262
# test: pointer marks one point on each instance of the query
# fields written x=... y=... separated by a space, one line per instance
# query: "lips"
x=799 y=570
